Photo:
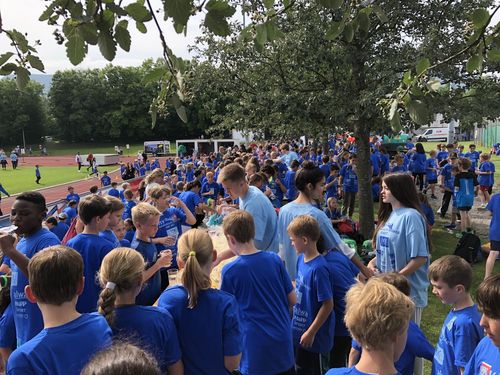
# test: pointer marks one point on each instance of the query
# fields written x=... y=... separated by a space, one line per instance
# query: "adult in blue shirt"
x=27 y=214
x=254 y=201
x=401 y=237
x=417 y=165
x=310 y=182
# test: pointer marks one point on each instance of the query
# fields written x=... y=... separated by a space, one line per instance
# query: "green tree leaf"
x=20 y=40
x=116 y=9
x=35 y=62
x=380 y=13
x=422 y=65
x=181 y=112
x=48 y=11
x=474 y=63
x=396 y=122
x=88 y=31
x=107 y=45
x=76 y=49
x=480 y=18
x=138 y=12
x=269 y=4
x=179 y=10
x=331 y=4
x=335 y=30
x=349 y=32
x=122 y=35
x=494 y=54
x=261 y=36
x=217 y=25
x=141 y=27
x=434 y=84
x=155 y=74
x=364 y=21
x=4 y=57
x=394 y=109
x=7 y=69
x=418 y=112
x=22 y=77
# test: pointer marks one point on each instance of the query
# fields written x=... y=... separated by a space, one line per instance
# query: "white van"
x=433 y=134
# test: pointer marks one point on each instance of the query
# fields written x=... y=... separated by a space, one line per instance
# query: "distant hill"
x=44 y=79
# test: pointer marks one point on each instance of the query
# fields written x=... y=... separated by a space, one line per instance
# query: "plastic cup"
x=172 y=277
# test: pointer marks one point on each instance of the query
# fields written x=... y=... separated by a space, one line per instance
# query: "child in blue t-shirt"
x=207 y=320
x=72 y=196
x=313 y=322
x=93 y=211
x=115 y=217
x=417 y=344
x=486 y=358
x=382 y=338
x=289 y=181
x=451 y=279
x=332 y=182
x=69 y=339
x=349 y=182
x=473 y=156
x=466 y=187
x=485 y=178
x=264 y=292
x=153 y=329
x=431 y=173
x=494 y=234
x=105 y=179
x=129 y=204
x=146 y=218
x=210 y=190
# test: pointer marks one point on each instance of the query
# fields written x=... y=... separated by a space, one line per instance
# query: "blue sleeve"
x=419 y=345
x=226 y=284
x=231 y=332
x=7 y=329
x=18 y=363
x=196 y=199
x=466 y=339
x=181 y=215
x=323 y=284
x=415 y=238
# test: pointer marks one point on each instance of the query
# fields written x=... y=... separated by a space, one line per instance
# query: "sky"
x=22 y=15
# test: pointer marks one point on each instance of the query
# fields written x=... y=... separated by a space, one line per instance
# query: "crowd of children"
x=289 y=301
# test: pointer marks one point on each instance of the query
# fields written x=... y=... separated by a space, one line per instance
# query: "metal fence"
x=489 y=135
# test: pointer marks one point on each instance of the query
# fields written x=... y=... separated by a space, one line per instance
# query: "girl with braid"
x=152 y=329
x=207 y=319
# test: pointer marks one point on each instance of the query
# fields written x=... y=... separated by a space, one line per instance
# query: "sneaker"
x=438 y=211
x=449 y=226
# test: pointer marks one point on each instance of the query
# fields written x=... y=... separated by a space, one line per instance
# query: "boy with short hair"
x=38 y=175
x=72 y=196
x=115 y=217
x=70 y=211
x=114 y=192
x=146 y=219
x=313 y=321
x=473 y=157
x=27 y=214
x=466 y=187
x=129 y=204
x=451 y=279
x=94 y=212
x=485 y=178
x=486 y=358
x=264 y=291
x=56 y=280
x=348 y=181
x=105 y=179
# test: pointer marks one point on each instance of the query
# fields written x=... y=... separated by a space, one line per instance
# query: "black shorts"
x=465 y=208
x=494 y=245
x=432 y=181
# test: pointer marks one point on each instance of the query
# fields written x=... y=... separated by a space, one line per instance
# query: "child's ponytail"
x=121 y=270
x=195 y=249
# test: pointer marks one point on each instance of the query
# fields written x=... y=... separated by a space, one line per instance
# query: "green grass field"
x=23 y=178
x=63 y=149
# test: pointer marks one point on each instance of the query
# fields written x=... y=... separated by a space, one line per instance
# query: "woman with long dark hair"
x=310 y=182
x=417 y=165
x=401 y=238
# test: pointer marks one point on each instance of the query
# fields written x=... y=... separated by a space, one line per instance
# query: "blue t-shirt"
x=313 y=288
x=60 y=230
x=191 y=200
x=114 y=193
x=417 y=164
x=375 y=161
x=124 y=243
x=290 y=211
x=70 y=213
x=464 y=188
x=441 y=155
x=27 y=315
x=289 y=182
x=449 y=179
x=8 y=329
x=207 y=332
x=73 y=197
x=63 y=350
x=428 y=212
x=261 y=286
x=431 y=169
x=485 y=360
x=152 y=289
x=265 y=218
x=110 y=236
x=376 y=192
x=459 y=337
x=332 y=191
x=343 y=275
x=417 y=345
x=349 y=179
x=171 y=222
x=212 y=188
x=325 y=168
x=486 y=179
x=384 y=163
x=494 y=207
x=333 y=214
x=93 y=250
x=278 y=193
x=105 y=180
x=152 y=329
x=473 y=157
x=402 y=238
x=129 y=235
x=127 y=212
x=349 y=371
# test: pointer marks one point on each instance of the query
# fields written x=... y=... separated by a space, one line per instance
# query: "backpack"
x=469 y=247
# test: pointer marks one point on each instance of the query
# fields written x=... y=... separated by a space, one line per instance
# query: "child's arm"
x=413 y=265
x=324 y=312
x=232 y=362
x=176 y=369
x=7 y=246
x=164 y=260
x=190 y=219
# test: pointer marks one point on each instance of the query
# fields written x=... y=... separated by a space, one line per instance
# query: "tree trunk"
x=364 y=173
